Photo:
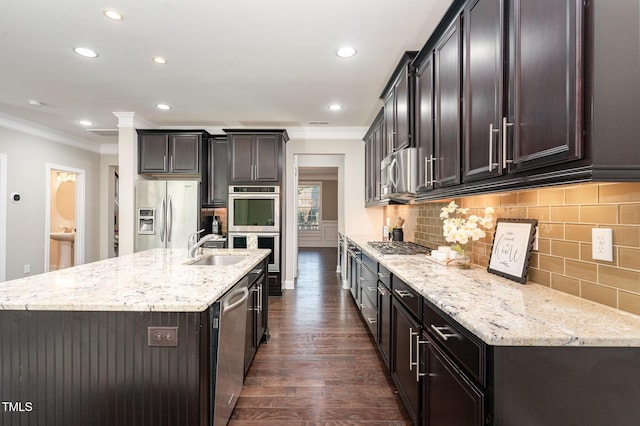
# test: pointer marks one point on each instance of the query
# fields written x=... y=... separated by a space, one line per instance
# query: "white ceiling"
x=231 y=63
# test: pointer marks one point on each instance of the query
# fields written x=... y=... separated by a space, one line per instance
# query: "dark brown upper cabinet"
x=539 y=123
x=424 y=124
x=398 y=106
x=169 y=152
x=373 y=157
x=215 y=187
x=447 y=108
x=255 y=157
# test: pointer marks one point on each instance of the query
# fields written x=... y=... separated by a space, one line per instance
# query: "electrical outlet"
x=162 y=336
x=27 y=268
x=602 y=244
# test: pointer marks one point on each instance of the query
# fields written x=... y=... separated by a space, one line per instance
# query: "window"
x=309 y=196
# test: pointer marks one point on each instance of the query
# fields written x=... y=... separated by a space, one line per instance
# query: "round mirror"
x=66 y=199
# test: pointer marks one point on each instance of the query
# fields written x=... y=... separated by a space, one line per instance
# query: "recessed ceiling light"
x=36 y=103
x=114 y=15
x=86 y=52
x=163 y=107
x=346 y=52
x=159 y=60
x=335 y=107
x=86 y=123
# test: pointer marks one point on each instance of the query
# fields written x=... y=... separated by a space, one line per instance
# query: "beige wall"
x=566 y=215
x=329 y=200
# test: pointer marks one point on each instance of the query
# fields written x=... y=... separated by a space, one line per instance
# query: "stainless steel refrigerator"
x=167 y=211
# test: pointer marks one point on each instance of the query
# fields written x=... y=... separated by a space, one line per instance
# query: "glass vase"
x=463 y=257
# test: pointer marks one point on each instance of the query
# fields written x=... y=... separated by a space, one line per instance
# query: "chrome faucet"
x=193 y=243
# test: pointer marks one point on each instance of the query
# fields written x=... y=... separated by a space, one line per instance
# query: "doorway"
x=3 y=217
x=65 y=217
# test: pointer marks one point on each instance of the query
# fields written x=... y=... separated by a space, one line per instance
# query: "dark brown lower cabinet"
x=449 y=398
x=384 y=322
x=405 y=330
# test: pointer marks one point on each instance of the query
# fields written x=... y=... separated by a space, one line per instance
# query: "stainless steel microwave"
x=253 y=208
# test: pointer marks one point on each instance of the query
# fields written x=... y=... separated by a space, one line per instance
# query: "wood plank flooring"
x=321 y=366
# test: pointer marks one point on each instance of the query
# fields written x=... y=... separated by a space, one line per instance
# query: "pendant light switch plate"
x=602 y=244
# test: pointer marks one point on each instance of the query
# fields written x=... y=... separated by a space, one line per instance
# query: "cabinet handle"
x=403 y=293
x=372 y=320
x=411 y=335
x=362 y=279
x=491 y=132
x=363 y=306
x=443 y=336
x=418 y=343
x=383 y=276
x=163 y=212
x=171 y=163
x=382 y=292
x=164 y=162
x=505 y=124
x=432 y=160
x=371 y=288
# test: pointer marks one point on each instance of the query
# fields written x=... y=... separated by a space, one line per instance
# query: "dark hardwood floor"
x=321 y=366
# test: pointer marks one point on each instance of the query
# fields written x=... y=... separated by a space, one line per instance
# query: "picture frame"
x=511 y=249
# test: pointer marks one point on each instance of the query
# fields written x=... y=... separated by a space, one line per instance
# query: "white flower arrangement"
x=460 y=229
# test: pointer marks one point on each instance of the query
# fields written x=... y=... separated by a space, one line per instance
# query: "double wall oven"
x=255 y=210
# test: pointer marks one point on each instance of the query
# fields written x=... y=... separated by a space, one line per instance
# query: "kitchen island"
x=481 y=349
x=125 y=341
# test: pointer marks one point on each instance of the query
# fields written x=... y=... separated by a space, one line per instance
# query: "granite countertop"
x=152 y=280
x=505 y=313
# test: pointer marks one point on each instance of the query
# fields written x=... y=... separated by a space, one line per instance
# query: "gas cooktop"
x=398 y=247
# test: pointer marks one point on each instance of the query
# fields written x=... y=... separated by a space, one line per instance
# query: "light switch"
x=602 y=244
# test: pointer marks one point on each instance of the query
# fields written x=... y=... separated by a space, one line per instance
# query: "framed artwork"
x=511 y=250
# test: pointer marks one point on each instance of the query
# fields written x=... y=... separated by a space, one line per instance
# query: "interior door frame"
x=79 y=243
x=3 y=217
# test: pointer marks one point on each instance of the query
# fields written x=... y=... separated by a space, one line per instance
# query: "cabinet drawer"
x=465 y=348
x=407 y=296
x=369 y=286
x=370 y=317
x=384 y=275
x=371 y=264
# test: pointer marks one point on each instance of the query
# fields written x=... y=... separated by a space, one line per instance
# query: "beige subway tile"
x=630 y=214
x=581 y=270
x=509 y=199
x=551 y=197
x=599 y=293
x=551 y=263
x=565 y=214
x=580 y=233
x=629 y=258
x=619 y=278
x=599 y=214
x=626 y=192
x=544 y=246
x=582 y=194
x=513 y=213
x=483 y=261
x=565 y=284
x=528 y=198
x=539 y=277
x=543 y=214
x=586 y=251
x=626 y=236
x=534 y=262
x=565 y=249
x=629 y=302
x=554 y=231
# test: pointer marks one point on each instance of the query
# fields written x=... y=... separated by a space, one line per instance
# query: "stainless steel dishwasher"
x=229 y=319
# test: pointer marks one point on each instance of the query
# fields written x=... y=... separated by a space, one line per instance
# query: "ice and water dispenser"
x=146 y=221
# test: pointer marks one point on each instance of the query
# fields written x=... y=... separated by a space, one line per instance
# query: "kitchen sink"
x=220 y=260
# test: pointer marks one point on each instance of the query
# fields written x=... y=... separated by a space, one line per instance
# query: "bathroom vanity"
x=127 y=341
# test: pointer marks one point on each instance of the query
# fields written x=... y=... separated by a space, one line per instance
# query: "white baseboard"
x=346 y=285
x=288 y=285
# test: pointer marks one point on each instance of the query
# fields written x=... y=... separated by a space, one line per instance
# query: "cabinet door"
x=403 y=110
x=424 y=123
x=241 y=158
x=483 y=82
x=377 y=159
x=389 y=142
x=544 y=100
x=218 y=186
x=403 y=359
x=184 y=153
x=447 y=107
x=153 y=150
x=368 y=169
x=267 y=158
x=450 y=399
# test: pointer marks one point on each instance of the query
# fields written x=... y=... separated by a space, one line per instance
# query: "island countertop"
x=152 y=280
x=505 y=313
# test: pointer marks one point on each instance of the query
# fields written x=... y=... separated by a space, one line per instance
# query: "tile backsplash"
x=566 y=215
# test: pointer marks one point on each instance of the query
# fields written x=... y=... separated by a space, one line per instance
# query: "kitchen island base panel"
x=586 y=386
x=79 y=368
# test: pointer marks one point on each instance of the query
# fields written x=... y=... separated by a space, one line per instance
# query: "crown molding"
x=309 y=132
